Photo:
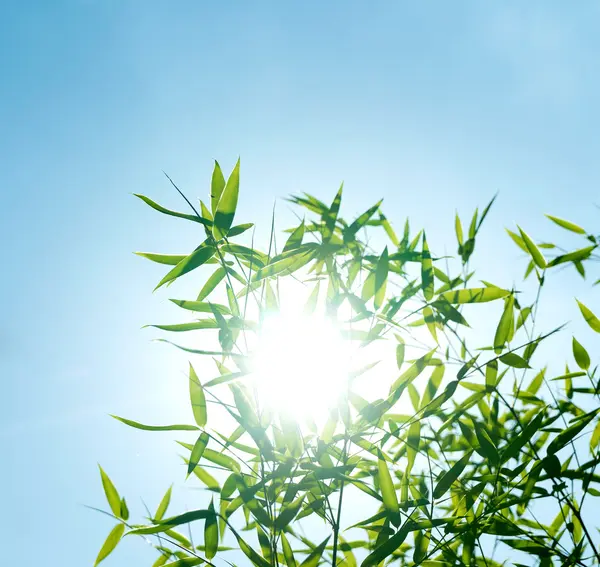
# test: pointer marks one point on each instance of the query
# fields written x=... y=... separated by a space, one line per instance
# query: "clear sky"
x=431 y=105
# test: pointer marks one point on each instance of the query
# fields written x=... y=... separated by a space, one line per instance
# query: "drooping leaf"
x=505 y=328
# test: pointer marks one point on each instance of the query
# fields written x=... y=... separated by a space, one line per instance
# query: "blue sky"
x=431 y=105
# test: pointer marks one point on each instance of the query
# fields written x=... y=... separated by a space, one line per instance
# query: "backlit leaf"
x=475 y=295
x=589 y=317
x=197 y=398
x=427 y=271
x=581 y=355
x=211 y=532
x=216 y=187
x=447 y=478
x=533 y=250
x=189 y=263
x=111 y=542
x=197 y=451
x=225 y=210
x=566 y=225
x=112 y=496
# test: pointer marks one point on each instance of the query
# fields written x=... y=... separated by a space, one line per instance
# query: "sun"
x=301 y=365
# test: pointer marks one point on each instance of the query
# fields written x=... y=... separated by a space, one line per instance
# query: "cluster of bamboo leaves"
x=495 y=464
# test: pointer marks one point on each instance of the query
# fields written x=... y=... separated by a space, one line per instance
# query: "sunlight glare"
x=301 y=365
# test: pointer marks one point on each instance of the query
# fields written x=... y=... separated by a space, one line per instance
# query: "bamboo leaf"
x=427 y=271
x=112 y=496
x=114 y=537
x=225 y=210
x=475 y=295
x=137 y=425
x=581 y=355
x=216 y=187
x=388 y=492
x=381 y=275
x=197 y=398
x=447 y=479
x=197 y=451
x=211 y=532
x=198 y=257
x=164 y=504
x=566 y=224
x=589 y=317
x=533 y=250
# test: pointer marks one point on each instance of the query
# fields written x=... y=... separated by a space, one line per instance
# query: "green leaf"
x=197 y=398
x=112 y=496
x=595 y=439
x=124 y=510
x=201 y=306
x=225 y=210
x=388 y=229
x=211 y=532
x=239 y=229
x=381 y=274
x=168 y=259
x=458 y=229
x=533 y=250
x=155 y=427
x=486 y=445
x=160 y=209
x=284 y=266
x=295 y=239
x=518 y=442
x=211 y=283
x=198 y=451
x=427 y=271
x=447 y=478
x=171 y=522
x=383 y=551
x=164 y=504
x=314 y=558
x=288 y=554
x=566 y=224
x=216 y=187
x=475 y=295
x=111 y=542
x=514 y=360
x=581 y=355
x=505 y=329
x=537 y=382
x=330 y=217
x=575 y=256
x=589 y=317
x=569 y=433
x=198 y=257
x=386 y=484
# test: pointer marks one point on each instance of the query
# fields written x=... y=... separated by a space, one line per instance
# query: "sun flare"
x=301 y=365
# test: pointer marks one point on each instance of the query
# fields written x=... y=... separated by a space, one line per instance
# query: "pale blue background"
x=432 y=105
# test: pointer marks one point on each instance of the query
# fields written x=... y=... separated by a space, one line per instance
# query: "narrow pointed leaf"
x=111 y=542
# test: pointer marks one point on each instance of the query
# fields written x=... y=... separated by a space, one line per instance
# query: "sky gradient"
x=434 y=106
